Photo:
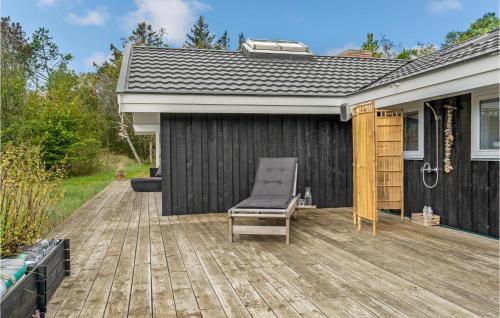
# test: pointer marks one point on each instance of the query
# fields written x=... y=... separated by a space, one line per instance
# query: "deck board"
x=128 y=260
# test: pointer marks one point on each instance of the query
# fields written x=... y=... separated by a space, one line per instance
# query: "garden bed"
x=34 y=289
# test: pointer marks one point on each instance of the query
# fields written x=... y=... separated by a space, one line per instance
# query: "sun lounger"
x=273 y=196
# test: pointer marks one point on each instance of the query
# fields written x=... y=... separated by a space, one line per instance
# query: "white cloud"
x=98 y=16
x=441 y=6
x=46 y=3
x=338 y=50
x=175 y=16
x=97 y=58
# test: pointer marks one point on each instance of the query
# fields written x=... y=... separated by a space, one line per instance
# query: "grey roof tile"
x=487 y=44
x=193 y=71
x=168 y=70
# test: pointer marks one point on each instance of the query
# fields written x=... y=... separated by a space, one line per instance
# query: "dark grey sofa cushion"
x=152 y=184
x=273 y=185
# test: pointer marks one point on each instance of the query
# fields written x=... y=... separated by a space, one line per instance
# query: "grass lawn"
x=79 y=189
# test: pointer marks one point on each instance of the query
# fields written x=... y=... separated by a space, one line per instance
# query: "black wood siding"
x=467 y=198
x=209 y=160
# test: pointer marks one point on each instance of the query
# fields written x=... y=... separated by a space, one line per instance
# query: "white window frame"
x=419 y=153
x=477 y=153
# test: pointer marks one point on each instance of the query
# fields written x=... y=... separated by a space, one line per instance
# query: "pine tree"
x=200 y=37
x=223 y=42
x=371 y=45
x=241 y=40
x=144 y=34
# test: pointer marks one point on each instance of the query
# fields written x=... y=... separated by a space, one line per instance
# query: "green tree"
x=371 y=45
x=117 y=127
x=62 y=122
x=15 y=52
x=488 y=22
x=143 y=34
x=420 y=50
x=241 y=40
x=200 y=36
x=45 y=57
x=388 y=47
x=223 y=42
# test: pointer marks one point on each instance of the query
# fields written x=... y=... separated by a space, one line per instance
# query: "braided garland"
x=448 y=141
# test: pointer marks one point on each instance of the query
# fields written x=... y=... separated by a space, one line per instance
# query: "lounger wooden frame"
x=287 y=213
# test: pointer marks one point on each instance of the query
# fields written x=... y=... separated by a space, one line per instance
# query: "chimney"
x=356 y=53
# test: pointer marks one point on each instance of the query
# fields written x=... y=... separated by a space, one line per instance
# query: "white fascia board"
x=461 y=78
x=455 y=87
x=170 y=103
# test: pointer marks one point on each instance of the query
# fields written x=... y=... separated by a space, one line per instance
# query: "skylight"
x=279 y=49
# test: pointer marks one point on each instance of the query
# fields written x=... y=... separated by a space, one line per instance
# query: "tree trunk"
x=151 y=150
x=133 y=149
x=124 y=134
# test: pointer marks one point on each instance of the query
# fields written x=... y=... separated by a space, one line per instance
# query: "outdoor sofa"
x=151 y=184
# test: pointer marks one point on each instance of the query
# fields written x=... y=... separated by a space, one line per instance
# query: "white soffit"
x=146 y=118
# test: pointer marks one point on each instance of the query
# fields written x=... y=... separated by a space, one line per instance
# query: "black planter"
x=34 y=290
x=152 y=171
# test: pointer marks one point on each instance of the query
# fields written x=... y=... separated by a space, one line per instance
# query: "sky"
x=86 y=28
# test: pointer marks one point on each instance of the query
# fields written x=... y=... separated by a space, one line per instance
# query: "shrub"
x=83 y=157
x=27 y=192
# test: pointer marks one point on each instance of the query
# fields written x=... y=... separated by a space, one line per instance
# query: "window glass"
x=410 y=133
x=488 y=123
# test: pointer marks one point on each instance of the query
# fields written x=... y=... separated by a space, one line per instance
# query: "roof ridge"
x=384 y=76
x=240 y=52
x=184 y=49
x=441 y=50
x=362 y=58
x=456 y=46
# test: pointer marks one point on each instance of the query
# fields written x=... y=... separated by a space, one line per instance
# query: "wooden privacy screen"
x=377 y=162
x=364 y=203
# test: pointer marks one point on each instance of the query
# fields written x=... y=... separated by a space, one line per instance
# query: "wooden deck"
x=128 y=260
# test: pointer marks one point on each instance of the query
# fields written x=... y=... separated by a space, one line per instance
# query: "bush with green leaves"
x=63 y=122
x=28 y=191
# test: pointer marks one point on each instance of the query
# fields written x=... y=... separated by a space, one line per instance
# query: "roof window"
x=277 y=49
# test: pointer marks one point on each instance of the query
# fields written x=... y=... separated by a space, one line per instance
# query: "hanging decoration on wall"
x=448 y=137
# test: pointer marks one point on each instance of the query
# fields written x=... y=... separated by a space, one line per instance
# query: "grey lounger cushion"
x=274 y=184
x=265 y=202
x=152 y=184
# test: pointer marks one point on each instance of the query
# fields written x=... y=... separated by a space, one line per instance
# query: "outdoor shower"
x=426 y=168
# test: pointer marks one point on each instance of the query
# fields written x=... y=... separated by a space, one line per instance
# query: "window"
x=485 y=134
x=413 y=130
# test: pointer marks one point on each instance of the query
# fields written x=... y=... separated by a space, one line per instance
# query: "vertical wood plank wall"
x=209 y=160
x=467 y=198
